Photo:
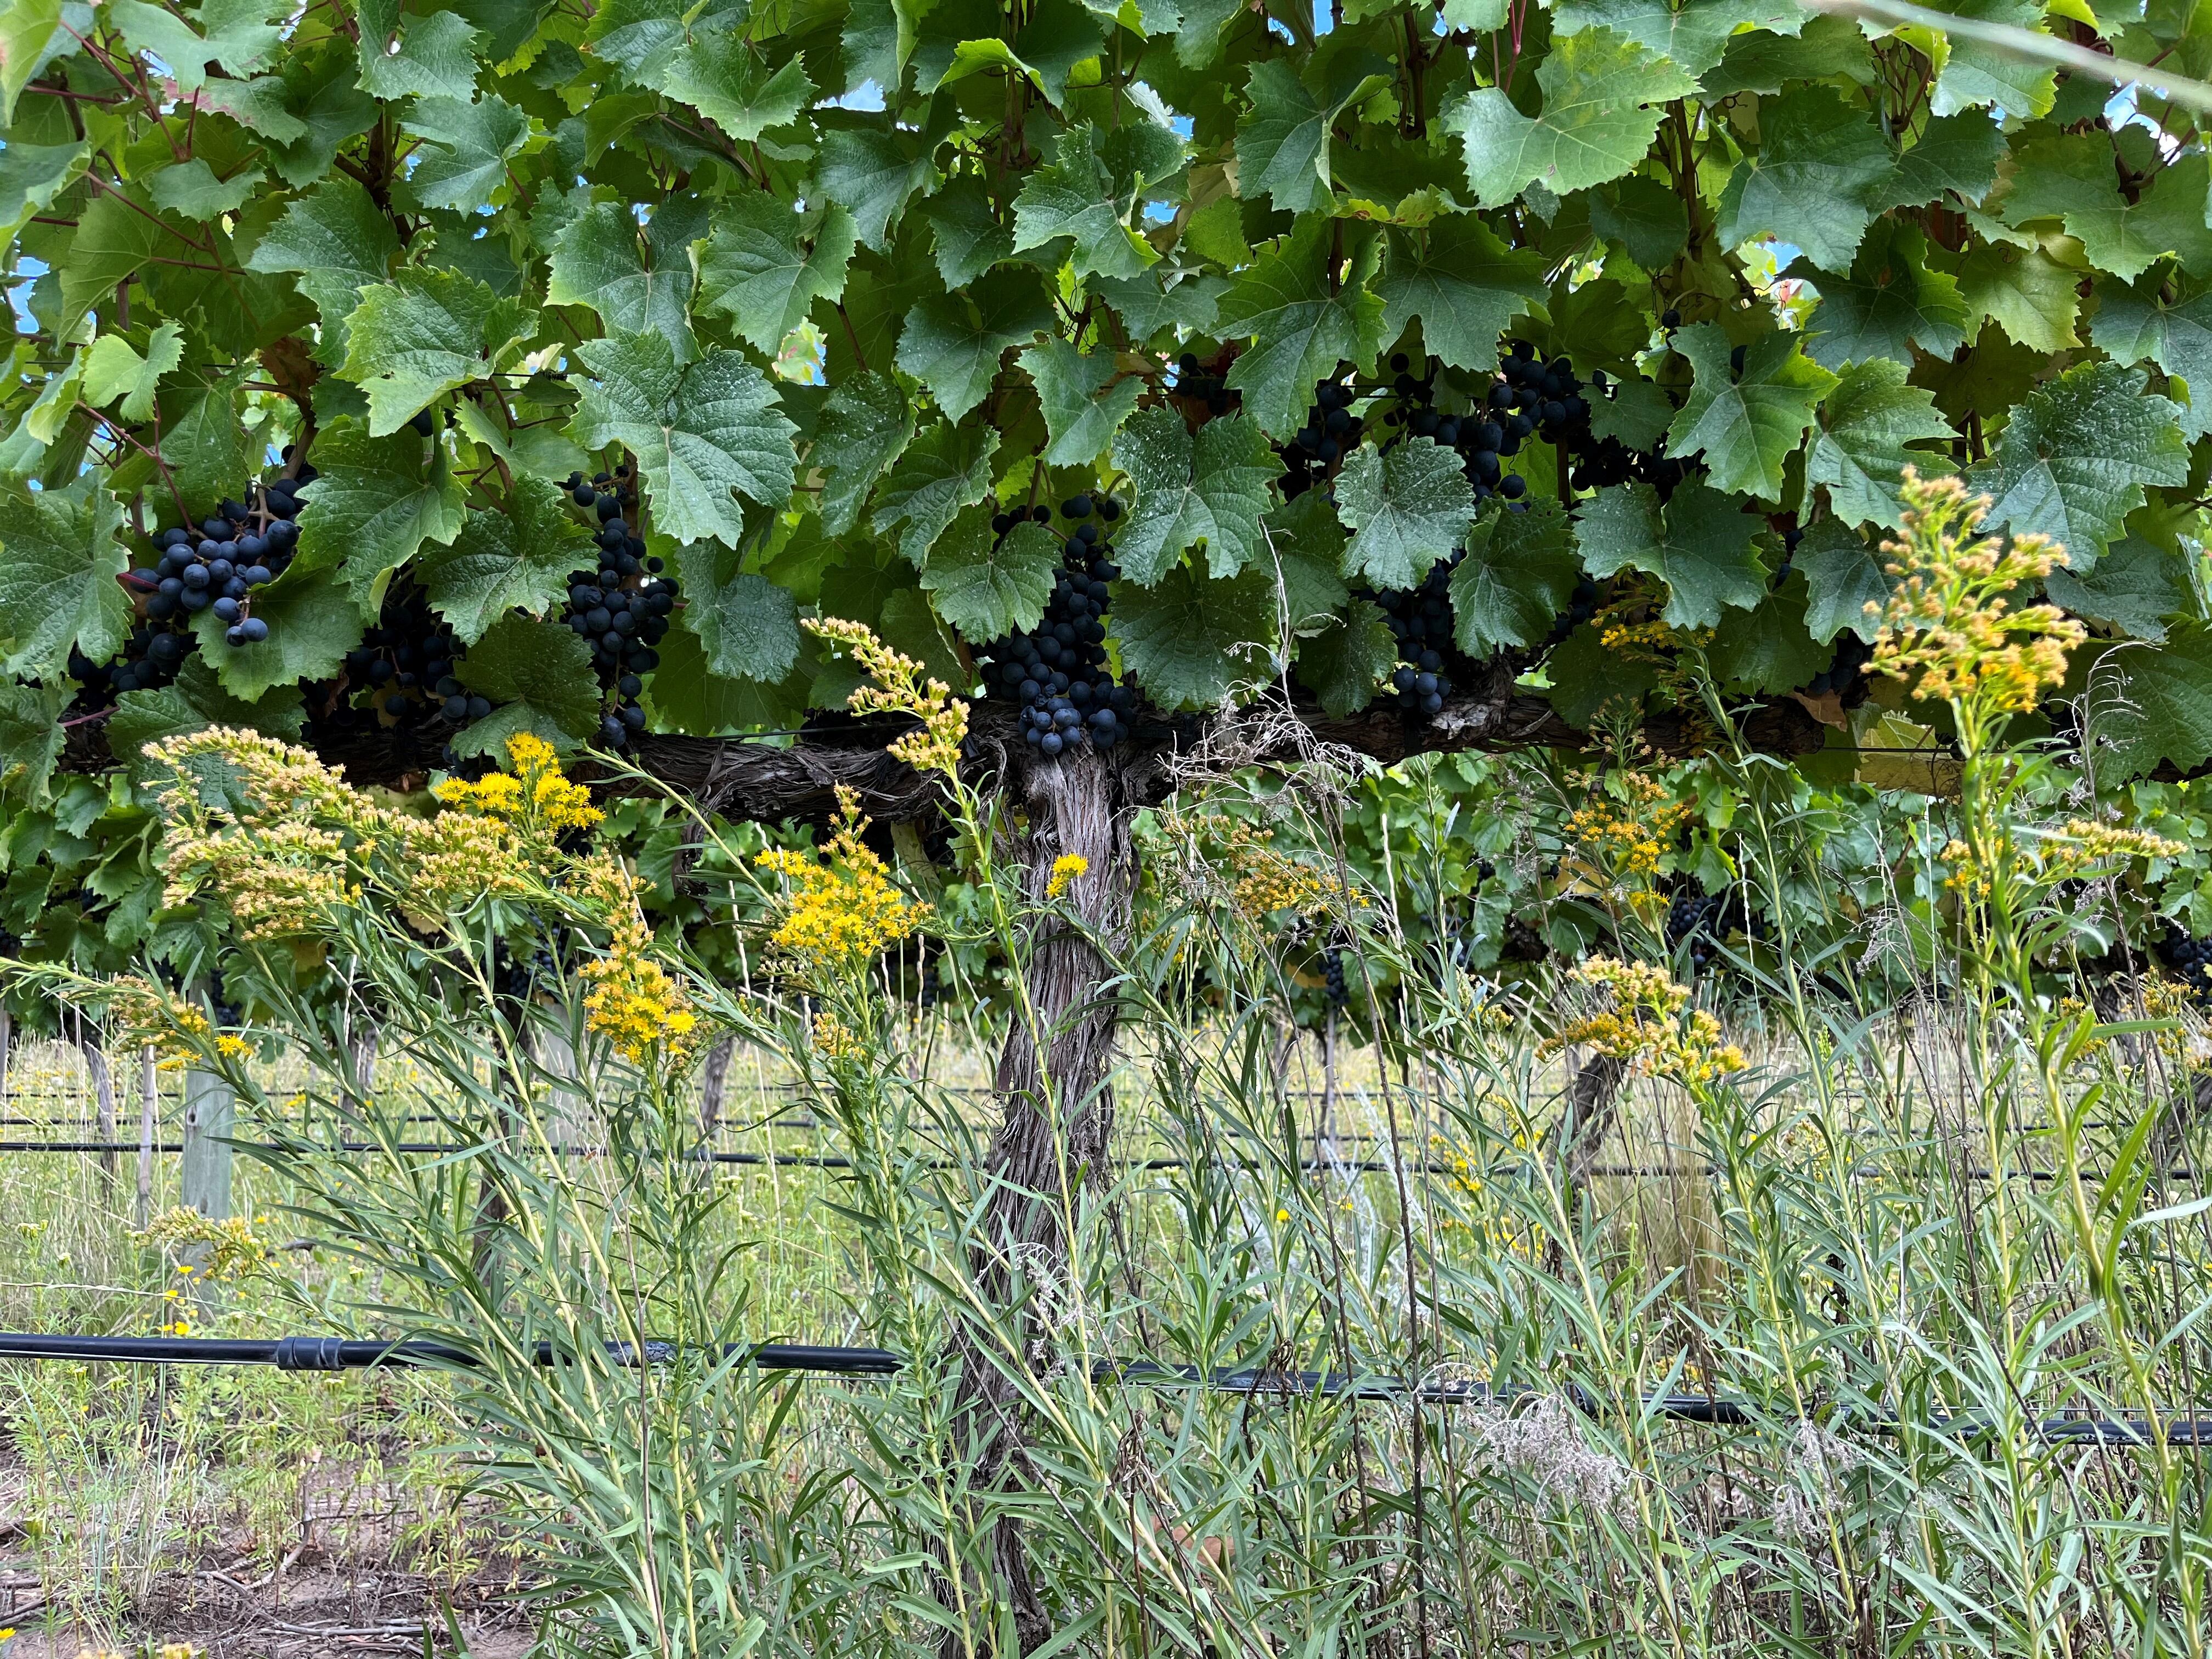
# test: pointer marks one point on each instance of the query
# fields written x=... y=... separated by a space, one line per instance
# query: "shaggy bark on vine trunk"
x=1056 y=1114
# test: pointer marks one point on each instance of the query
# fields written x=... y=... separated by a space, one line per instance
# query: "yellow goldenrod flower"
x=532 y=793
x=1949 y=618
x=835 y=1041
x=1629 y=835
x=843 y=909
x=1065 y=869
x=898 y=689
x=633 y=1002
x=1648 y=1024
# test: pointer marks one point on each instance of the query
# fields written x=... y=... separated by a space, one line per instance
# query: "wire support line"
x=2178 y=1173
x=332 y=1353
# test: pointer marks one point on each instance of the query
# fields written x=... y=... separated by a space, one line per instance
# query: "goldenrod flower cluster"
x=233 y=1250
x=146 y=1013
x=1629 y=835
x=835 y=1041
x=531 y=793
x=1949 y=618
x=2075 y=848
x=899 y=689
x=457 y=858
x=1267 y=881
x=277 y=879
x=286 y=844
x=1648 y=1024
x=2085 y=843
x=1065 y=869
x=842 y=909
x=633 y=1002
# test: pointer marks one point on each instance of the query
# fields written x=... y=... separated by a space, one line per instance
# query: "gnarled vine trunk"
x=1056 y=1114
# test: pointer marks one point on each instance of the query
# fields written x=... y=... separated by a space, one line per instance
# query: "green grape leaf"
x=202 y=439
x=1212 y=489
x=1694 y=35
x=764 y=264
x=60 y=553
x=311 y=628
x=987 y=585
x=2135 y=325
x=1843 y=577
x=515 y=559
x=686 y=696
x=28 y=30
x=2076 y=456
x=966 y=231
x=747 y=625
x=1146 y=306
x=1077 y=195
x=1587 y=675
x=1821 y=174
x=1299 y=327
x=1747 y=426
x=1602 y=106
x=424 y=333
x=31 y=175
x=374 y=501
x=1520 y=572
x=234 y=34
x=2028 y=294
x=112 y=369
x=1633 y=410
x=1282 y=135
x=2069 y=179
x=1955 y=154
x=432 y=57
x=1644 y=217
x=320 y=88
x=2137 y=587
x=2167 y=692
x=1701 y=544
x=339 y=242
x=1463 y=283
x=944 y=470
x=32 y=736
x=1892 y=300
x=1305 y=542
x=1407 y=507
x=1191 y=638
x=462 y=161
x=1974 y=73
x=1861 y=442
x=1082 y=412
x=871 y=175
x=952 y=342
x=719 y=74
x=702 y=432
x=865 y=426
x=638 y=281
x=1767 y=649
x=1344 y=663
x=539 y=676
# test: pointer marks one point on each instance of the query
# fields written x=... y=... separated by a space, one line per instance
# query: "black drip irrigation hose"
x=332 y=1353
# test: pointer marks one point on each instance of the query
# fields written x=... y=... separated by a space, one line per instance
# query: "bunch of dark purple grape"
x=622 y=605
x=1331 y=432
x=406 y=661
x=1704 y=920
x=1057 y=671
x=2191 y=959
x=215 y=565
